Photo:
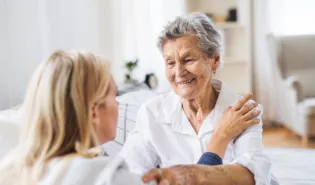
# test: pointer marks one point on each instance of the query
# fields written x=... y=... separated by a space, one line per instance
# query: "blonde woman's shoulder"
x=95 y=171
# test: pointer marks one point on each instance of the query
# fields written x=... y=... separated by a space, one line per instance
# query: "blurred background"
x=269 y=45
x=269 y=50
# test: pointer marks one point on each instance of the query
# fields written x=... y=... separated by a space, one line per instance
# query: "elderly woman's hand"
x=175 y=175
x=200 y=175
x=232 y=123
x=238 y=118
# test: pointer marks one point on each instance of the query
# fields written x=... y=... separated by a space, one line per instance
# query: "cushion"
x=307 y=107
x=9 y=130
x=129 y=104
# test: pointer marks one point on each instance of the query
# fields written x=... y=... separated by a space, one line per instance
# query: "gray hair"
x=197 y=24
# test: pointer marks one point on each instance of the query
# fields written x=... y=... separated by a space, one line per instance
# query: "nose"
x=180 y=69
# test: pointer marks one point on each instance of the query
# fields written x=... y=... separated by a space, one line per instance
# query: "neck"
x=197 y=109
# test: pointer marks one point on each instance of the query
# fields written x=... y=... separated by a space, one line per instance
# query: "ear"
x=217 y=60
x=95 y=115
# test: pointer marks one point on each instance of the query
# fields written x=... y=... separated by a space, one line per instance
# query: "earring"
x=214 y=72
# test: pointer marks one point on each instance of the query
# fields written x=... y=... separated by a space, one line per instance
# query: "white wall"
x=4 y=98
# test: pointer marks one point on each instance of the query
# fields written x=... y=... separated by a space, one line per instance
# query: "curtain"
x=263 y=69
x=33 y=29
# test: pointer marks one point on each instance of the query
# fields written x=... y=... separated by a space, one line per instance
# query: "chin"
x=112 y=138
x=187 y=94
x=105 y=139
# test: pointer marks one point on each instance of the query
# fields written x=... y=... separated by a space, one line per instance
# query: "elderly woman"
x=179 y=126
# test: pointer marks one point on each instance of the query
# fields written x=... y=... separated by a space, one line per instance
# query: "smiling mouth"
x=185 y=82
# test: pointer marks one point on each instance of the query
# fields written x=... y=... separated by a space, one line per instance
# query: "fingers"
x=252 y=122
x=247 y=108
x=251 y=114
x=242 y=102
x=230 y=107
x=154 y=174
x=158 y=175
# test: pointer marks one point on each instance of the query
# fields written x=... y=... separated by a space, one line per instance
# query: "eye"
x=188 y=60
x=170 y=63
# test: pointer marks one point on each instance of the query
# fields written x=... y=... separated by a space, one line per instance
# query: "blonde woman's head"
x=70 y=107
x=68 y=98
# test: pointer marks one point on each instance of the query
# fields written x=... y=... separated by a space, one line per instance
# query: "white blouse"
x=163 y=137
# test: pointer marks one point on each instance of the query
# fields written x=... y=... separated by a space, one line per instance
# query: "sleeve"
x=249 y=152
x=138 y=150
x=209 y=158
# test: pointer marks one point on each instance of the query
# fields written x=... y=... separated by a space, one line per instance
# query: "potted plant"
x=130 y=66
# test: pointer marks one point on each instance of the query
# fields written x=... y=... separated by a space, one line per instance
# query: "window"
x=291 y=17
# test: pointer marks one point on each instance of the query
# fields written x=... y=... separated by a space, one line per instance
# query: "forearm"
x=233 y=174
x=218 y=144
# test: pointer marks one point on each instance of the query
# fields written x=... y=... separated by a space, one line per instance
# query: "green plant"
x=130 y=66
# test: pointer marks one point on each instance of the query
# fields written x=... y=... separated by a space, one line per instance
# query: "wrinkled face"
x=105 y=115
x=188 y=69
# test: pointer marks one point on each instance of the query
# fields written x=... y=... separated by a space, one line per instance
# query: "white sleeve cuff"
x=259 y=164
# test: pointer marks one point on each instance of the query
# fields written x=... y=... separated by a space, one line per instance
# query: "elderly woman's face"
x=188 y=69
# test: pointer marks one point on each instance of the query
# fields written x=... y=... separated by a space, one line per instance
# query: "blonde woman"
x=71 y=107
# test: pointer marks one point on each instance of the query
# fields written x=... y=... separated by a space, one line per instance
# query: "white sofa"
x=294 y=60
x=129 y=105
x=9 y=127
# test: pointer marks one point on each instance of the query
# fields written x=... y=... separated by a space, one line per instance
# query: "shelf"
x=228 y=25
x=234 y=61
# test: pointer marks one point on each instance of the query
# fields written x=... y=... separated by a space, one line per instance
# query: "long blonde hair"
x=57 y=110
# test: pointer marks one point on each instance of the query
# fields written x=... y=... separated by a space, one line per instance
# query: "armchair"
x=294 y=58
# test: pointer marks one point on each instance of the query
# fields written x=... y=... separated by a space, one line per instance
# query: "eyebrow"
x=186 y=53
x=167 y=57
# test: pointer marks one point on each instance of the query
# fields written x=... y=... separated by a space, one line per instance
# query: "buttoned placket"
x=203 y=132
